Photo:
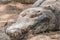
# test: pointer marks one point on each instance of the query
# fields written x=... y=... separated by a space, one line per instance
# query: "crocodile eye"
x=45 y=19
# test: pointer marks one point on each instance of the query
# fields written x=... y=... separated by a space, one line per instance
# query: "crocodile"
x=35 y=20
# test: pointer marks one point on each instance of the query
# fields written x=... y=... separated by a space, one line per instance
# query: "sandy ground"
x=4 y=23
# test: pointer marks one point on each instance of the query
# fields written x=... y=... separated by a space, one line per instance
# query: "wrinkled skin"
x=55 y=6
x=34 y=20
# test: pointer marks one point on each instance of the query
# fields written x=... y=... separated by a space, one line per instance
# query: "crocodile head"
x=33 y=20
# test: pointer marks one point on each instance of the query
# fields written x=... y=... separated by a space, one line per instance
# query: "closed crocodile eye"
x=45 y=19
